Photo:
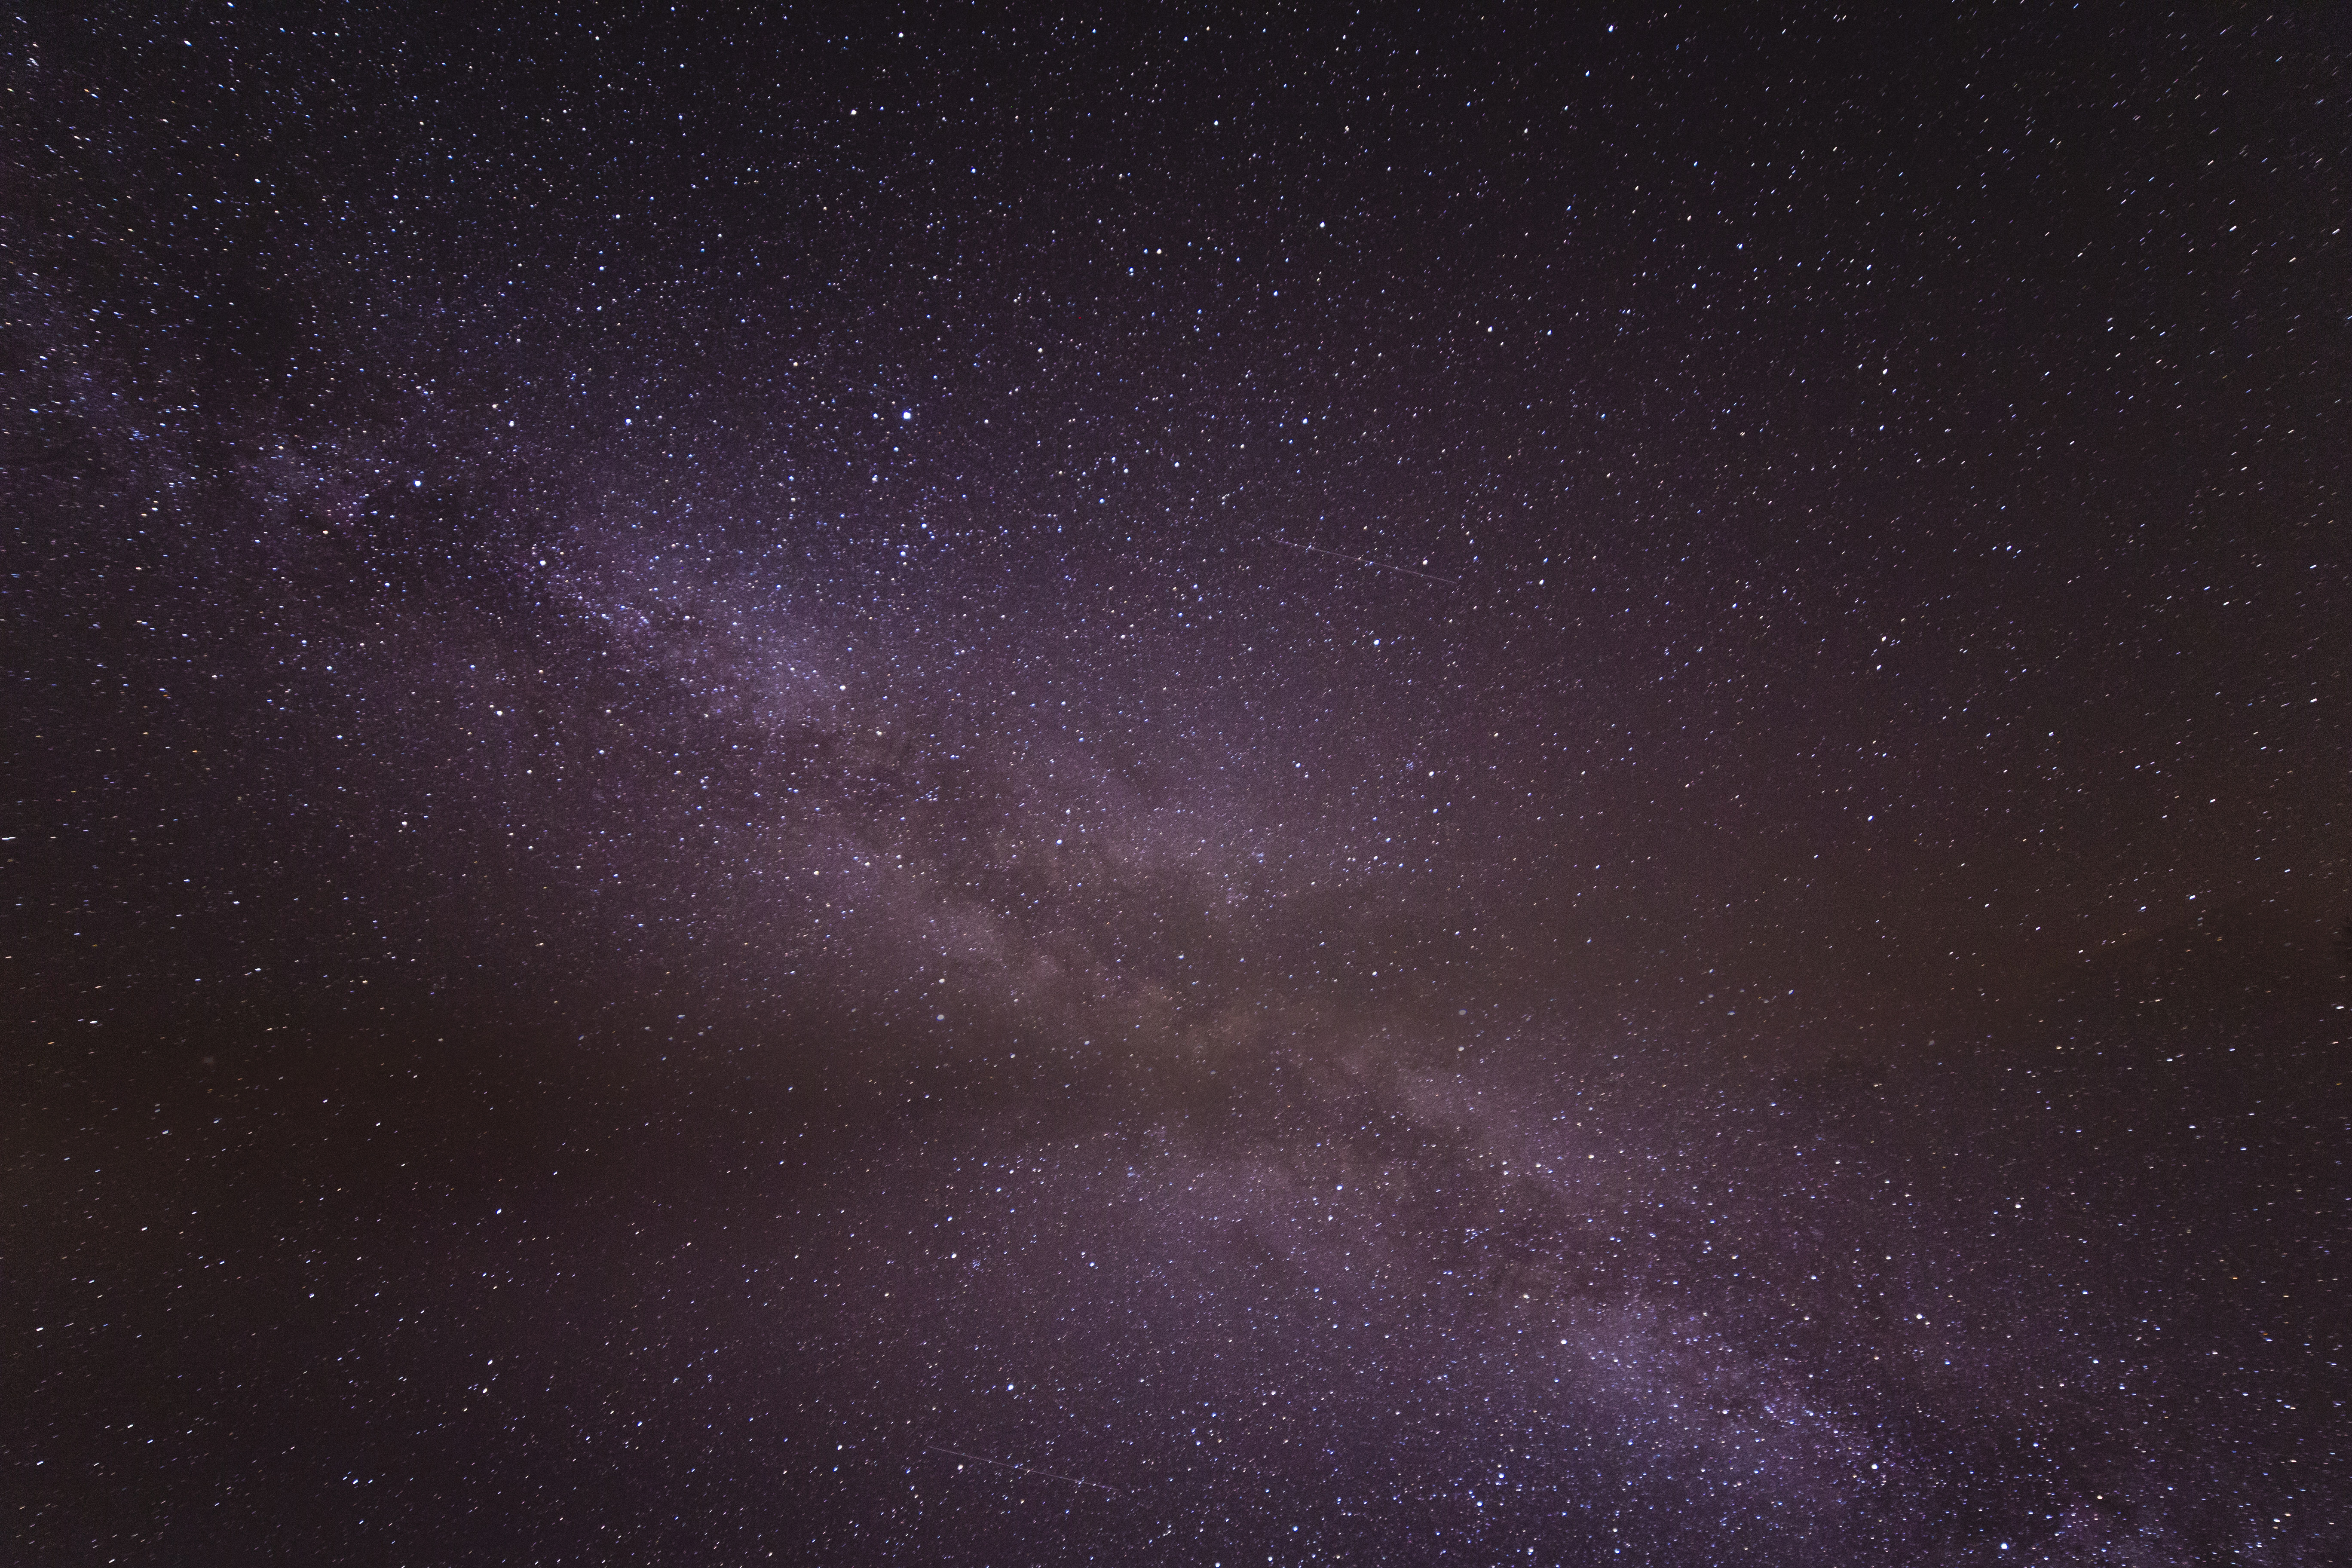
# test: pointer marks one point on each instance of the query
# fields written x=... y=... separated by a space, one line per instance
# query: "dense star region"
x=1191 y=786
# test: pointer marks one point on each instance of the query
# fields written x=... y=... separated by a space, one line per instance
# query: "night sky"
x=1225 y=787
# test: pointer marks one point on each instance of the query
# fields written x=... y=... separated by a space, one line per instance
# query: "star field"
x=948 y=785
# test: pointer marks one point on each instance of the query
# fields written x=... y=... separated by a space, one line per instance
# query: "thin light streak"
x=1365 y=561
x=1024 y=1469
